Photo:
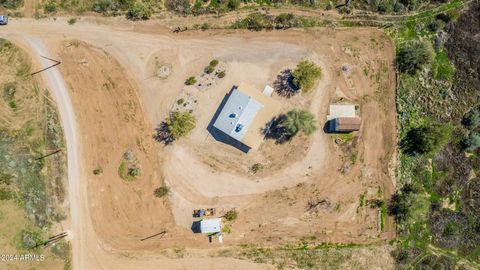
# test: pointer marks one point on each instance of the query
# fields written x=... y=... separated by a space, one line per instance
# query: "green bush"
x=231 y=215
x=161 y=191
x=11 y=4
x=30 y=239
x=305 y=75
x=72 y=21
x=178 y=6
x=472 y=119
x=180 y=101
x=98 y=170
x=191 y=81
x=214 y=63
x=256 y=167
x=139 y=11
x=50 y=6
x=472 y=143
x=233 y=4
x=5 y=194
x=299 y=120
x=254 y=22
x=205 y=26
x=221 y=74
x=180 y=124
x=209 y=69
x=134 y=171
x=286 y=20
x=413 y=56
x=426 y=139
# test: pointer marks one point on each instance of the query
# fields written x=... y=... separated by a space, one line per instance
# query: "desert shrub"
x=209 y=69
x=5 y=194
x=180 y=101
x=472 y=119
x=436 y=25
x=72 y=21
x=305 y=75
x=178 y=6
x=233 y=4
x=472 y=143
x=50 y=6
x=401 y=202
x=256 y=167
x=286 y=20
x=231 y=215
x=139 y=11
x=98 y=170
x=62 y=250
x=161 y=191
x=213 y=63
x=205 y=26
x=413 y=56
x=102 y=6
x=426 y=139
x=162 y=134
x=190 y=81
x=134 y=171
x=29 y=239
x=221 y=74
x=180 y=124
x=254 y=22
x=11 y=4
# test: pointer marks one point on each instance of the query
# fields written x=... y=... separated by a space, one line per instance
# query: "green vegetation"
x=231 y=215
x=211 y=66
x=305 y=75
x=161 y=191
x=191 y=81
x=180 y=101
x=29 y=239
x=428 y=139
x=72 y=21
x=180 y=124
x=139 y=11
x=414 y=55
x=436 y=219
x=221 y=74
x=11 y=4
x=50 y=6
x=98 y=170
x=300 y=120
x=256 y=168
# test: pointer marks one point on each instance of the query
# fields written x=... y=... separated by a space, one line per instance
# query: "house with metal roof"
x=237 y=115
x=343 y=118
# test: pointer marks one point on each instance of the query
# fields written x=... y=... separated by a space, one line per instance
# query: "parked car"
x=3 y=20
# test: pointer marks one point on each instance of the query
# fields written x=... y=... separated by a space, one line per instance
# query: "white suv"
x=3 y=20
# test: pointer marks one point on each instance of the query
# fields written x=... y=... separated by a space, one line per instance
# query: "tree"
x=472 y=119
x=473 y=142
x=426 y=139
x=190 y=81
x=233 y=4
x=139 y=11
x=180 y=124
x=413 y=56
x=305 y=75
x=50 y=6
x=231 y=215
x=300 y=120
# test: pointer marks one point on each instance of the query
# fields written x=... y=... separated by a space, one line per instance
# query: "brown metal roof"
x=347 y=123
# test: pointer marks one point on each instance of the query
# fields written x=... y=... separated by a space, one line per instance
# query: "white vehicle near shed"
x=3 y=20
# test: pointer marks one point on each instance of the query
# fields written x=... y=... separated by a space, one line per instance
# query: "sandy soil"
x=118 y=103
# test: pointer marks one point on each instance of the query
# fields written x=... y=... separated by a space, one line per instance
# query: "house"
x=212 y=225
x=244 y=112
x=343 y=118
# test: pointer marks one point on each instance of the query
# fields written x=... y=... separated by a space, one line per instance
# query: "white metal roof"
x=341 y=110
x=211 y=225
x=237 y=114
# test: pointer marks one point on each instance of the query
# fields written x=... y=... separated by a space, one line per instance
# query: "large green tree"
x=414 y=55
x=180 y=124
x=299 y=120
x=305 y=75
x=428 y=138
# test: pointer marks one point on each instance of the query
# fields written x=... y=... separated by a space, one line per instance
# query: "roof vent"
x=233 y=115
x=239 y=128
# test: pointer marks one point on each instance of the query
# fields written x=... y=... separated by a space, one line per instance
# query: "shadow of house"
x=220 y=135
x=196 y=227
x=328 y=128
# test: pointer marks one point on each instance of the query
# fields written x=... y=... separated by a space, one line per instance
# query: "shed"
x=346 y=124
x=212 y=225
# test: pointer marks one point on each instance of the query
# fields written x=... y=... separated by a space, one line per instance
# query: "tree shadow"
x=275 y=130
x=162 y=134
x=284 y=85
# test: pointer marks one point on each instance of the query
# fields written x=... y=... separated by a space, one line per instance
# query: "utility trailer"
x=204 y=212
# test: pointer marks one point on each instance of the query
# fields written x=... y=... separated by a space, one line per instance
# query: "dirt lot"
x=118 y=101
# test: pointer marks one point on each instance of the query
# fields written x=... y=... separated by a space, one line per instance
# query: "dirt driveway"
x=114 y=215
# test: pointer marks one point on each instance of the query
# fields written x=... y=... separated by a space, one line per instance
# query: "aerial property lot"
x=325 y=185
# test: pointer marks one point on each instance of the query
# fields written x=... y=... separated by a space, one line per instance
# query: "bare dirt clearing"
x=118 y=104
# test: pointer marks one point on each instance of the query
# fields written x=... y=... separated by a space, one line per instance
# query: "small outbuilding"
x=343 y=118
x=346 y=124
x=211 y=225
